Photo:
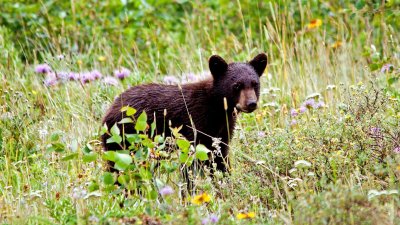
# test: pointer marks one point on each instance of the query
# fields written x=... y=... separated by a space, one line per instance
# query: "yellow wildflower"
x=79 y=62
x=101 y=58
x=314 y=24
x=249 y=215
x=200 y=199
x=337 y=44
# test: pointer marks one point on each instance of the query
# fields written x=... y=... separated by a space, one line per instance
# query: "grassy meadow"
x=322 y=148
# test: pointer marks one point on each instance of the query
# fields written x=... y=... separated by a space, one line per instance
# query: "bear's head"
x=239 y=83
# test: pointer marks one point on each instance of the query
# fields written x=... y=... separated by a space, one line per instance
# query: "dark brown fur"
x=204 y=101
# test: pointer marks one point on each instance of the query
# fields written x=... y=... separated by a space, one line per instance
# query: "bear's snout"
x=247 y=100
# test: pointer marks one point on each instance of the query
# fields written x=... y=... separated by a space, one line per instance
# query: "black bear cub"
x=238 y=82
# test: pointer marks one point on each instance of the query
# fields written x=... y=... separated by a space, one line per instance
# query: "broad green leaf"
x=115 y=130
x=114 y=139
x=109 y=155
x=141 y=122
x=202 y=152
x=122 y=161
x=123 y=179
x=183 y=145
x=393 y=80
x=108 y=178
x=104 y=129
x=126 y=120
x=92 y=156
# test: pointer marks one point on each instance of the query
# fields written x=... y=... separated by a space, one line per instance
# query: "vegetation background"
x=323 y=148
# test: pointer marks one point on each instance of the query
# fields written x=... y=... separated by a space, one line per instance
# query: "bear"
x=205 y=109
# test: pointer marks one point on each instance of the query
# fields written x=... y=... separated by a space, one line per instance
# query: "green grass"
x=324 y=169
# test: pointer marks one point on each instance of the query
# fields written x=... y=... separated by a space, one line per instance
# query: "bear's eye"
x=254 y=84
x=237 y=86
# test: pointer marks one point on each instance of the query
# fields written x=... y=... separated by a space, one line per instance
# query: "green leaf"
x=70 y=157
x=87 y=149
x=126 y=120
x=115 y=130
x=114 y=139
x=108 y=178
x=122 y=161
x=55 y=137
x=141 y=122
x=92 y=156
x=393 y=80
x=104 y=129
x=56 y=147
x=129 y=110
x=183 y=145
x=202 y=152
x=109 y=155
x=123 y=179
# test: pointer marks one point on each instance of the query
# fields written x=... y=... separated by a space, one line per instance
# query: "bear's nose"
x=251 y=105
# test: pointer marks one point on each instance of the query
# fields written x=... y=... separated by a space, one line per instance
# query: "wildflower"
x=110 y=81
x=86 y=77
x=320 y=104
x=314 y=24
x=62 y=75
x=293 y=112
x=60 y=57
x=96 y=74
x=375 y=131
x=200 y=199
x=101 y=58
x=79 y=62
x=387 y=68
x=189 y=77
x=337 y=44
x=43 y=68
x=397 y=150
x=167 y=190
x=93 y=219
x=302 y=109
x=171 y=80
x=293 y=122
x=261 y=134
x=309 y=103
x=73 y=76
x=51 y=79
x=78 y=193
x=330 y=87
x=122 y=73
x=210 y=219
x=249 y=215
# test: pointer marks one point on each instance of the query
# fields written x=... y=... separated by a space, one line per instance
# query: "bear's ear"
x=259 y=63
x=217 y=65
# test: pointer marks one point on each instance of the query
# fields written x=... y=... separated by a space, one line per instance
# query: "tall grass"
x=341 y=165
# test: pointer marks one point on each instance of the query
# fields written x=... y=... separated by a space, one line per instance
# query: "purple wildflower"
x=210 y=219
x=86 y=77
x=43 y=68
x=171 y=80
x=50 y=80
x=62 y=75
x=73 y=76
x=96 y=74
x=189 y=77
x=122 y=73
x=293 y=122
x=320 y=104
x=110 y=81
x=167 y=190
x=294 y=112
x=397 y=150
x=302 y=109
x=309 y=103
x=375 y=131
x=60 y=57
x=387 y=68
x=261 y=134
